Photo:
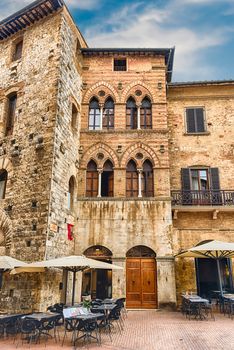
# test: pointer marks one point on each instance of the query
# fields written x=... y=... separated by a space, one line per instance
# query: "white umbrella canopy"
x=8 y=263
x=214 y=250
x=72 y=263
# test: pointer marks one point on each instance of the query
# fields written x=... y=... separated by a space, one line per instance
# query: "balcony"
x=199 y=201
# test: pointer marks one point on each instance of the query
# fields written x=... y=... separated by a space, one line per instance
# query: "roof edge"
x=204 y=82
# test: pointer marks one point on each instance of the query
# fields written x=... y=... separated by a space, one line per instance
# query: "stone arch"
x=141 y=251
x=99 y=147
x=6 y=227
x=98 y=251
x=93 y=91
x=147 y=153
x=6 y=164
x=147 y=91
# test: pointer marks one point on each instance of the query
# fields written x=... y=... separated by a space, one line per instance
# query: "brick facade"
x=48 y=148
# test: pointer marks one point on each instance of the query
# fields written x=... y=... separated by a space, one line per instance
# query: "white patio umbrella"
x=215 y=250
x=8 y=263
x=73 y=263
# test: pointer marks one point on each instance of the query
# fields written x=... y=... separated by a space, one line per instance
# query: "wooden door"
x=141 y=283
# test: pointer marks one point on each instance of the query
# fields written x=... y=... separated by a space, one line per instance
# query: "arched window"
x=146 y=114
x=107 y=180
x=131 y=114
x=71 y=191
x=92 y=180
x=74 y=119
x=10 y=119
x=94 y=114
x=3 y=182
x=108 y=114
x=147 y=181
x=131 y=180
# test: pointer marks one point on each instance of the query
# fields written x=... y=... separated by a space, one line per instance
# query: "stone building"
x=102 y=155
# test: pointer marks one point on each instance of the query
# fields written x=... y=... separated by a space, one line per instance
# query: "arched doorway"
x=207 y=274
x=98 y=283
x=141 y=292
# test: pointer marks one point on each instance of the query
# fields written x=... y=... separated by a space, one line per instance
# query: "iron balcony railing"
x=206 y=197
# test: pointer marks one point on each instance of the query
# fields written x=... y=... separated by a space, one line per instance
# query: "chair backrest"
x=29 y=325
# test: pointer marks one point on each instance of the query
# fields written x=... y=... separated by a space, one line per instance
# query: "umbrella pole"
x=219 y=276
x=73 y=287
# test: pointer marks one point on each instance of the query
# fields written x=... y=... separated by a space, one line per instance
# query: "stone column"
x=99 y=182
x=139 y=183
x=166 y=286
x=138 y=117
x=101 y=116
x=119 y=278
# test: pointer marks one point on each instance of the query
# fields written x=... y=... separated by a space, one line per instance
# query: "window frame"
x=204 y=121
x=94 y=127
x=14 y=57
x=119 y=58
x=199 y=178
x=10 y=113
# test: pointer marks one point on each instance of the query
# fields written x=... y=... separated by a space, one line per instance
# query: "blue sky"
x=201 y=30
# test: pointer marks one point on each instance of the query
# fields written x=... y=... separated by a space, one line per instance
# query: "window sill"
x=205 y=133
x=124 y=131
x=125 y=199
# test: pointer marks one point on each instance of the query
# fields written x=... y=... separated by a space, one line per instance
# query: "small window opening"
x=18 y=48
x=120 y=64
x=74 y=117
x=10 y=120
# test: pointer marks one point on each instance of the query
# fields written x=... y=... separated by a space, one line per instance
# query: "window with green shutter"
x=195 y=120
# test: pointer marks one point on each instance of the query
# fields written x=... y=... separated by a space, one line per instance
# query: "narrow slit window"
x=18 y=49
x=10 y=120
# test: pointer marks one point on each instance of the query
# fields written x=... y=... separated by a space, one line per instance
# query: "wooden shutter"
x=110 y=184
x=185 y=179
x=190 y=120
x=200 y=119
x=214 y=177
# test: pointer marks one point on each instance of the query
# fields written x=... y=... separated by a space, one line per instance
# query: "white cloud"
x=153 y=27
x=82 y=4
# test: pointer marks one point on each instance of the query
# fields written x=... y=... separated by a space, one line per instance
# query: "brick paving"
x=156 y=330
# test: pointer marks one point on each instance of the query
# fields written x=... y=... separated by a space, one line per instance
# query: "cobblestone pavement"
x=155 y=330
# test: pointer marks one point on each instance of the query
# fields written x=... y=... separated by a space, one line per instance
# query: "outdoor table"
x=195 y=305
x=44 y=318
x=82 y=318
x=109 y=301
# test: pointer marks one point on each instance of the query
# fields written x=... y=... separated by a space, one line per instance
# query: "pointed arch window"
x=94 y=114
x=92 y=180
x=3 y=183
x=147 y=180
x=131 y=114
x=107 y=180
x=11 y=109
x=108 y=114
x=146 y=114
x=131 y=179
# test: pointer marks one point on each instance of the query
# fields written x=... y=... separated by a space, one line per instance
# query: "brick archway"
x=146 y=91
x=102 y=85
x=147 y=153
x=99 y=147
